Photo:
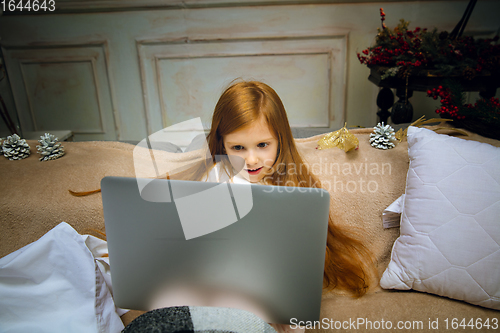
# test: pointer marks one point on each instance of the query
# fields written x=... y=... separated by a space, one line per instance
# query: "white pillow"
x=55 y=285
x=450 y=224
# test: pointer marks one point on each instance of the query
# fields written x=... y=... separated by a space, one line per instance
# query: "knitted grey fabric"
x=198 y=320
x=211 y=319
x=166 y=320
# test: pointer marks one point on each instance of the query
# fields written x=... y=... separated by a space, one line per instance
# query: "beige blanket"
x=362 y=183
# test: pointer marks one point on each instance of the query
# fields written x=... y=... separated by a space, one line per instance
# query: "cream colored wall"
x=114 y=39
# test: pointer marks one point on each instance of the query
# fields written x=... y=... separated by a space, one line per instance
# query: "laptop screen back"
x=266 y=256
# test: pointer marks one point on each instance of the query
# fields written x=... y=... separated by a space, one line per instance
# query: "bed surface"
x=361 y=183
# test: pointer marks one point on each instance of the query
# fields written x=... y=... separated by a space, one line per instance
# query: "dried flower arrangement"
x=482 y=117
x=406 y=52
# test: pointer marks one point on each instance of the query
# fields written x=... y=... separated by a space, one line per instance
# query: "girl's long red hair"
x=348 y=263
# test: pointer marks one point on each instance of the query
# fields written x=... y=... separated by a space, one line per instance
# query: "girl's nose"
x=251 y=158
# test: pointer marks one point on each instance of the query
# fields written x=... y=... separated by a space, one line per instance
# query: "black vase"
x=402 y=112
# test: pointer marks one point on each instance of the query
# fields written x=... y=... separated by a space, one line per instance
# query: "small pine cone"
x=469 y=73
x=383 y=137
x=49 y=148
x=404 y=72
x=15 y=148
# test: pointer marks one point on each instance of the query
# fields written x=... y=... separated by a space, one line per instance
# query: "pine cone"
x=15 y=148
x=383 y=137
x=49 y=148
x=404 y=72
x=469 y=73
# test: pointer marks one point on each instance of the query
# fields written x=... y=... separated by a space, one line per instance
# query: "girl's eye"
x=237 y=148
x=262 y=145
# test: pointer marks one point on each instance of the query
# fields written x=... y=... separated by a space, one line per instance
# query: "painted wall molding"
x=53 y=82
x=315 y=65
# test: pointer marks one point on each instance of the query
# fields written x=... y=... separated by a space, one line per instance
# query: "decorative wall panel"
x=183 y=79
x=63 y=88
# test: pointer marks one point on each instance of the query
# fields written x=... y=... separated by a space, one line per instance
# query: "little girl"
x=253 y=142
x=250 y=141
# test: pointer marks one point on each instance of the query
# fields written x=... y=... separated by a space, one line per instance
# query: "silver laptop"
x=253 y=247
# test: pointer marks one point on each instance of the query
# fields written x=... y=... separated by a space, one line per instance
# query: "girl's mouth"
x=254 y=171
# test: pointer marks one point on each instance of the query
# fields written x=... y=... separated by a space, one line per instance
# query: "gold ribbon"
x=342 y=139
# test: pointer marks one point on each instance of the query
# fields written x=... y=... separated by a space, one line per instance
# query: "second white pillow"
x=450 y=225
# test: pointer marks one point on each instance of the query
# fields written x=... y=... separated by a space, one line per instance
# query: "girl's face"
x=256 y=145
